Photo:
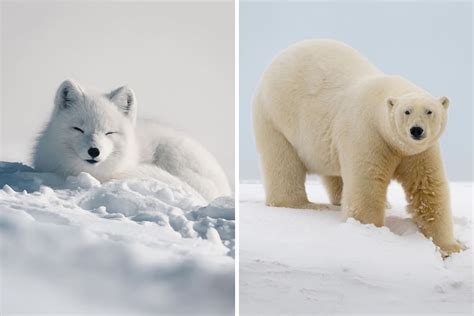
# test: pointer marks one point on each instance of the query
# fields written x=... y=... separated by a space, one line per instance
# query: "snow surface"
x=128 y=246
x=304 y=261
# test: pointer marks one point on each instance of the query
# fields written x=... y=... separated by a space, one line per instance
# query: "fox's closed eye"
x=110 y=133
x=78 y=129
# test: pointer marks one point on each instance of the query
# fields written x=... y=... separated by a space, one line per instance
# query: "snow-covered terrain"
x=129 y=246
x=303 y=261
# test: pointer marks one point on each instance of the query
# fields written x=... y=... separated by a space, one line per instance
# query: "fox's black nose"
x=416 y=132
x=94 y=152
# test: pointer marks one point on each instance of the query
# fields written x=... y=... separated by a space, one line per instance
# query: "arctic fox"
x=100 y=134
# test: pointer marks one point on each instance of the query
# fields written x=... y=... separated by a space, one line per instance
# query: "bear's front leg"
x=364 y=199
x=366 y=179
x=426 y=186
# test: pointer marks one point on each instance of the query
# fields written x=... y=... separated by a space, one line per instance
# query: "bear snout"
x=417 y=132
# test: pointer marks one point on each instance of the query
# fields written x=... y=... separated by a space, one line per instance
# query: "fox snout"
x=93 y=152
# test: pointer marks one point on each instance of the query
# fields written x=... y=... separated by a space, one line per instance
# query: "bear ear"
x=124 y=99
x=391 y=102
x=69 y=92
x=444 y=102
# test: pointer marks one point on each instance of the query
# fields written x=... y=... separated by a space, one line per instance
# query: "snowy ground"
x=129 y=246
x=303 y=261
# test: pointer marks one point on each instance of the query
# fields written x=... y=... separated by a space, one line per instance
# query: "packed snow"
x=305 y=261
x=126 y=246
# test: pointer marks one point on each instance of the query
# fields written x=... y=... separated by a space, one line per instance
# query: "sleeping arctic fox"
x=99 y=134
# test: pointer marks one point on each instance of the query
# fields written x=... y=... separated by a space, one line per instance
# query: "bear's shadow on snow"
x=401 y=226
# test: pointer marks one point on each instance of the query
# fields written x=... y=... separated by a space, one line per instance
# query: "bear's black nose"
x=94 y=152
x=416 y=132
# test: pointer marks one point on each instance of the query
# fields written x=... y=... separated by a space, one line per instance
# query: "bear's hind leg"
x=284 y=174
x=333 y=185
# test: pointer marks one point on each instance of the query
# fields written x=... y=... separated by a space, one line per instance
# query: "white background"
x=428 y=42
x=178 y=57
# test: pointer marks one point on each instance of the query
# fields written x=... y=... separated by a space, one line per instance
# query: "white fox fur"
x=121 y=145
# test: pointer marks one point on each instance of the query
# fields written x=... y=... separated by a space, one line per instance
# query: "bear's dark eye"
x=78 y=129
x=407 y=112
x=110 y=133
x=429 y=112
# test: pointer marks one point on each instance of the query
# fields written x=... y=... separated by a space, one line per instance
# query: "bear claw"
x=455 y=247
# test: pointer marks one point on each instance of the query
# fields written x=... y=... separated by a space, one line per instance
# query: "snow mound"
x=128 y=246
x=319 y=264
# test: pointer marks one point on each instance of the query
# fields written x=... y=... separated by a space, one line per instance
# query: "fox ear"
x=391 y=102
x=125 y=100
x=69 y=92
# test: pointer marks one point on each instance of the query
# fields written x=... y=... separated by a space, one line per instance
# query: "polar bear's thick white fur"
x=322 y=108
x=99 y=133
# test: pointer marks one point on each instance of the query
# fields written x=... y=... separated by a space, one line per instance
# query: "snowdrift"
x=128 y=246
x=304 y=261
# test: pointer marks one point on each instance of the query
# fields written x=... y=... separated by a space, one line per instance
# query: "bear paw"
x=447 y=250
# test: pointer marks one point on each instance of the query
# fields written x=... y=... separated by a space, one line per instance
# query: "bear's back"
x=316 y=64
x=308 y=79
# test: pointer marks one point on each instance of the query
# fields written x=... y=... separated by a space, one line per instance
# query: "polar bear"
x=322 y=108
